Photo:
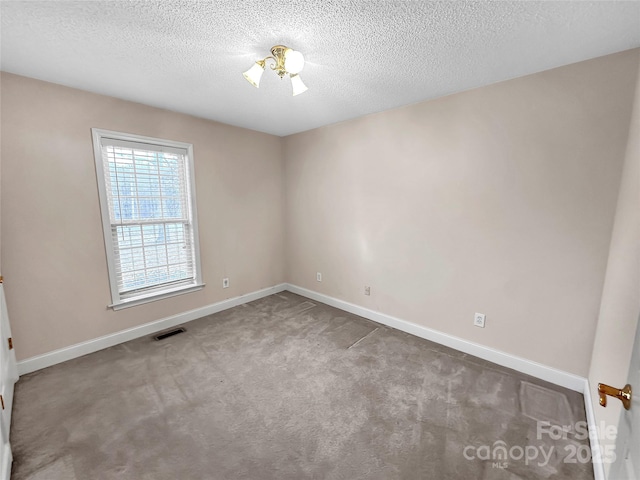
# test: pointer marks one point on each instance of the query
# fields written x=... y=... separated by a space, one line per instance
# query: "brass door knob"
x=624 y=394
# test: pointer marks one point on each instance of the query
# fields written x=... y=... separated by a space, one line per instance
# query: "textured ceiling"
x=362 y=56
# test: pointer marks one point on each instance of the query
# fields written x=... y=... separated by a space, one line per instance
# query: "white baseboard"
x=550 y=374
x=538 y=370
x=62 y=355
x=543 y=372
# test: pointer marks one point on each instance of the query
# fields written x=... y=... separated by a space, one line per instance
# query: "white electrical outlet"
x=367 y=290
x=225 y=283
x=318 y=276
x=478 y=320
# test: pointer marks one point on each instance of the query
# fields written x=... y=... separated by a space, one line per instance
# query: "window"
x=147 y=200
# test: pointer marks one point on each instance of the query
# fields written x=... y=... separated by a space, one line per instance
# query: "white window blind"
x=150 y=233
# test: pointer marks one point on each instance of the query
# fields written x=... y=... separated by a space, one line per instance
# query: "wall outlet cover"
x=478 y=320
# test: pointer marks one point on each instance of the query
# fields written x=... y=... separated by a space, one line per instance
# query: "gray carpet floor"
x=286 y=388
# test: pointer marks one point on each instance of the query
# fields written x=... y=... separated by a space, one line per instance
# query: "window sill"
x=134 y=301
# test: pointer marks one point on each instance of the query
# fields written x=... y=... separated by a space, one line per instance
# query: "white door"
x=8 y=366
x=627 y=463
x=8 y=377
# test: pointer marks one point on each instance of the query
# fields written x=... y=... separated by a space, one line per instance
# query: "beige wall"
x=620 y=307
x=53 y=255
x=498 y=200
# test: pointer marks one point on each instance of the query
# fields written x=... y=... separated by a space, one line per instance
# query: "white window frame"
x=153 y=294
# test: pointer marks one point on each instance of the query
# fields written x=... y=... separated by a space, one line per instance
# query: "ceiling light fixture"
x=287 y=62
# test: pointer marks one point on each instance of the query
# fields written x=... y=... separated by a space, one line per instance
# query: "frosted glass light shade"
x=254 y=74
x=297 y=85
x=293 y=61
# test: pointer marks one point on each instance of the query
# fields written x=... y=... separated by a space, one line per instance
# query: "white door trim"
x=594 y=439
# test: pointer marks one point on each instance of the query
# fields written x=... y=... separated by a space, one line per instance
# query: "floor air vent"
x=169 y=333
